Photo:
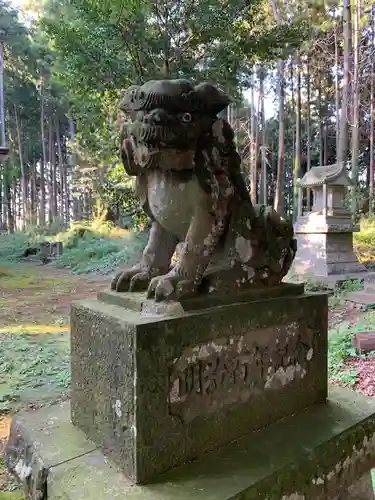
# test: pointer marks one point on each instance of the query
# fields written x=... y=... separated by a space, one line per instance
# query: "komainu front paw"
x=132 y=280
x=171 y=287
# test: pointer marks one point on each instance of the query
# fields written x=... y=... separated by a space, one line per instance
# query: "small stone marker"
x=364 y=342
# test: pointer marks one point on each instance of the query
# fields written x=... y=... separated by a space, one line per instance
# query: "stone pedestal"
x=213 y=398
x=156 y=391
x=325 y=247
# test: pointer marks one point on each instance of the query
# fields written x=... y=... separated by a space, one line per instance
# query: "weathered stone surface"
x=364 y=341
x=156 y=392
x=189 y=181
x=326 y=254
x=360 y=490
x=323 y=453
x=139 y=302
x=29 y=457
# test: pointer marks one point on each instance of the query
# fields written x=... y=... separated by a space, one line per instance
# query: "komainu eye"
x=186 y=118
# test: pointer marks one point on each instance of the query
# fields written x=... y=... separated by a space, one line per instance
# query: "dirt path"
x=32 y=294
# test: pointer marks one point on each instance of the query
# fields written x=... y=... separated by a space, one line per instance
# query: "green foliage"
x=118 y=196
x=26 y=58
x=364 y=242
x=93 y=246
x=97 y=254
x=13 y=245
x=340 y=348
x=341 y=291
x=109 y=45
x=99 y=48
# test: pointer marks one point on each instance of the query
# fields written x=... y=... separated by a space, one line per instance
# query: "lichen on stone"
x=175 y=143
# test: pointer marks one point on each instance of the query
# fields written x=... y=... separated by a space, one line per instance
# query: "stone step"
x=361 y=297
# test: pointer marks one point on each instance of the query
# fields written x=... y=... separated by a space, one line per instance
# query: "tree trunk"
x=337 y=90
x=34 y=195
x=42 y=200
x=253 y=168
x=53 y=172
x=321 y=123
x=4 y=199
x=297 y=160
x=279 y=202
x=23 y=194
x=325 y=131
x=344 y=128
x=289 y=175
x=263 y=188
x=50 y=173
x=308 y=128
x=62 y=172
x=372 y=110
x=2 y=118
x=9 y=208
x=356 y=104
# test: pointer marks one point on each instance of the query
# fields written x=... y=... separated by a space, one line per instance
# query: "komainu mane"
x=188 y=178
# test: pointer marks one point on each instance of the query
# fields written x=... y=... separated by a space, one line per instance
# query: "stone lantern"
x=325 y=235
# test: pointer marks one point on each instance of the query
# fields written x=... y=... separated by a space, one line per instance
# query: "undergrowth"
x=93 y=246
x=97 y=254
x=340 y=348
x=364 y=242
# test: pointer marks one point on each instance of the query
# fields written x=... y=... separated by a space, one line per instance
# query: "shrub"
x=88 y=246
x=12 y=246
x=96 y=254
x=364 y=242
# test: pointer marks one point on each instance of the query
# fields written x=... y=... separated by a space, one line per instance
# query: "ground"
x=34 y=342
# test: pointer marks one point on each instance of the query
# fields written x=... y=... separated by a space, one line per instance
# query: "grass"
x=11 y=490
x=339 y=348
x=12 y=279
x=33 y=366
x=12 y=495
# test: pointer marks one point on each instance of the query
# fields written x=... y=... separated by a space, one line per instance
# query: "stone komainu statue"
x=189 y=182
